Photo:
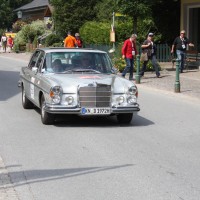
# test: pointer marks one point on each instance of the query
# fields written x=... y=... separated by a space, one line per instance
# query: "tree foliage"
x=72 y=14
x=139 y=16
x=166 y=16
x=7 y=16
x=95 y=32
x=135 y=9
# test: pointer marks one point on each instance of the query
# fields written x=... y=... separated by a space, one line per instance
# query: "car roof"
x=62 y=49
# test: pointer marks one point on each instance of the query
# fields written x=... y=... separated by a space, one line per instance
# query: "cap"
x=150 y=34
x=77 y=34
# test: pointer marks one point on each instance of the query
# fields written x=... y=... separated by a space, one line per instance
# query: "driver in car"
x=57 y=66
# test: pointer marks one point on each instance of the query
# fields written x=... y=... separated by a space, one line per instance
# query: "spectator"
x=10 y=43
x=149 y=47
x=180 y=43
x=70 y=41
x=4 y=42
x=78 y=40
x=129 y=52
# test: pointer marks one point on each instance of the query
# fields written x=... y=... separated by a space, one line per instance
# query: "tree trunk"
x=135 y=19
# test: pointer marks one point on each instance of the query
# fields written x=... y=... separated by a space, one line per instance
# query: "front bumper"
x=58 y=109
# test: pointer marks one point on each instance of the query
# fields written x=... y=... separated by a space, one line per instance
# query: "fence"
x=163 y=51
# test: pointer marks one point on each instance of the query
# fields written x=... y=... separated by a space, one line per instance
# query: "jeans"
x=154 y=63
x=181 y=56
x=129 y=67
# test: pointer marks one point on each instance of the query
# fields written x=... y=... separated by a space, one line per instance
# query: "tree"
x=6 y=12
x=105 y=9
x=135 y=9
x=166 y=17
x=71 y=15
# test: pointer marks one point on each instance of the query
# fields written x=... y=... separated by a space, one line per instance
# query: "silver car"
x=76 y=81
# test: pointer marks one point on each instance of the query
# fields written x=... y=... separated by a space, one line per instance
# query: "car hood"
x=70 y=82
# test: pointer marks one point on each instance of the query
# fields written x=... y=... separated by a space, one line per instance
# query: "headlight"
x=55 y=94
x=120 y=99
x=69 y=100
x=131 y=100
x=133 y=90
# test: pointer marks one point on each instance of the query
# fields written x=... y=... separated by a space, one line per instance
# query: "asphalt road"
x=156 y=157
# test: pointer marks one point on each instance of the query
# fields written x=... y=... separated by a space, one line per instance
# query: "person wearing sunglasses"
x=180 y=44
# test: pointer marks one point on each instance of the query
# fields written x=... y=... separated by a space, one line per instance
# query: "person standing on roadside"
x=129 y=52
x=78 y=40
x=149 y=47
x=4 y=42
x=10 y=43
x=180 y=43
x=70 y=41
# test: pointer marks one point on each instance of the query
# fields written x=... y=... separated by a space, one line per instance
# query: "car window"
x=40 y=60
x=34 y=59
x=78 y=60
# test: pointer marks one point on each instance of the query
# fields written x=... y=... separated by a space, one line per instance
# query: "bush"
x=52 y=40
x=95 y=33
x=29 y=34
x=17 y=26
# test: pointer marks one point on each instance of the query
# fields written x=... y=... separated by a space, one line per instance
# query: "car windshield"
x=78 y=62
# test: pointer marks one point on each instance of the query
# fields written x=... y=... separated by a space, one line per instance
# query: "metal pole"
x=137 y=76
x=114 y=28
x=177 y=82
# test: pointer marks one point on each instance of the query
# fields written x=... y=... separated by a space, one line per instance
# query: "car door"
x=30 y=73
x=37 y=77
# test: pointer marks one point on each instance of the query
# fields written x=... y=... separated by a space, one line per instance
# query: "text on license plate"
x=95 y=111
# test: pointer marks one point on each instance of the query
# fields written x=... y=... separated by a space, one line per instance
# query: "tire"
x=124 y=118
x=26 y=103
x=46 y=118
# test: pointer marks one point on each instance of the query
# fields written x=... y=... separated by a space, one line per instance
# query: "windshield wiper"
x=82 y=70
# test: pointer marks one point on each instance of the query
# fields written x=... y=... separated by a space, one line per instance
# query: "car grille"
x=98 y=95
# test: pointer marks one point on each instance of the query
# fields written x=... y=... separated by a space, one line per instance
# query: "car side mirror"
x=35 y=70
x=114 y=70
x=43 y=70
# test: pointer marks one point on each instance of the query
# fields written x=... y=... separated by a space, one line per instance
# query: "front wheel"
x=46 y=118
x=124 y=118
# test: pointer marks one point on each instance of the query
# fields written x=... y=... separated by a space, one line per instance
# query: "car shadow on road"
x=70 y=120
x=94 y=121
x=20 y=177
x=8 y=84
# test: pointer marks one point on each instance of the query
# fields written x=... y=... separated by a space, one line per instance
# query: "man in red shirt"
x=129 y=52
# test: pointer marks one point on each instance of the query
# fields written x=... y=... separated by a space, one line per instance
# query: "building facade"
x=190 y=20
x=37 y=9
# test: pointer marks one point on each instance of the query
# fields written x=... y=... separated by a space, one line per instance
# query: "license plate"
x=95 y=111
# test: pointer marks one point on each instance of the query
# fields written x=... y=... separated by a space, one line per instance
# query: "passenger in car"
x=85 y=62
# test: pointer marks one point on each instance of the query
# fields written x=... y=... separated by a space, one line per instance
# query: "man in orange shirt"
x=70 y=41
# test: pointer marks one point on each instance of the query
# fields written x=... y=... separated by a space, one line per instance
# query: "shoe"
x=158 y=76
x=130 y=78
